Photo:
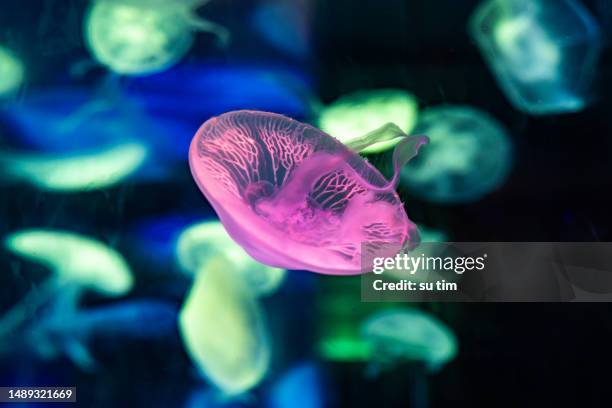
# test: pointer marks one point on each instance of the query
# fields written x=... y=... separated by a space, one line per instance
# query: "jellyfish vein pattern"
x=293 y=196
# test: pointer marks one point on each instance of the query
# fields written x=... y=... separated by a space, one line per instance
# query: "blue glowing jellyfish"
x=543 y=52
x=469 y=155
x=140 y=37
x=68 y=126
x=71 y=332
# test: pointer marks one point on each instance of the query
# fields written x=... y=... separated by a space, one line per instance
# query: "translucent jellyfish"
x=75 y=122
x=469 y=155
x=71 y=332
x=224 y=330
x=11 y=73
x=409 y=335
x=77 y=263
x=205 y=240
x=75 y=172
x=359 y=112
x=140 y=37
x=296 y=198
x=543 y=52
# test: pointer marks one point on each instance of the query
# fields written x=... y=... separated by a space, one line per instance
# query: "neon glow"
x=358 y=113
x=203 y=241
x=310 y=199
x=223 y=329
x=139 y=38
x=470 y=155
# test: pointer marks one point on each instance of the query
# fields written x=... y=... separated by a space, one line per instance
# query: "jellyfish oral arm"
x=407 y=148
x=387 y=132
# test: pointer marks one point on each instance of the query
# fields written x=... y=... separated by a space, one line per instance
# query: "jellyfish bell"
x=411 y=335
x=204 y=240
x=12 y=72
x=74 y=260
x=143 y=37
x=296 y=198
x=92 y=170
x=73 y=331
x=77 y=263
x=469 y=155
x=224 y=330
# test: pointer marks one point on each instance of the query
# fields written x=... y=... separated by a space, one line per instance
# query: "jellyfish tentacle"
x=404 y=152
x=80 y=355
x=201 y=24
x=387 y=132
x=26 y=307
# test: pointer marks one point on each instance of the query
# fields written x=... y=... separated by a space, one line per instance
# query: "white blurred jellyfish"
x=77 y=264
x=469 y=155
x=76 y=172
x=543 y=53
x=140 y=37
x=224 y=330
x=205 y=240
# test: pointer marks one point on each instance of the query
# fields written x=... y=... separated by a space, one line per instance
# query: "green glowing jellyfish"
x=409 y=335
x=358 y=113
x=205 y=240
x=85 y=171
x=74 y=259
x=543 y=53
x=223 y=329
x=77 y=263
x=140 y=37
x=11 y=73
x=469 y=155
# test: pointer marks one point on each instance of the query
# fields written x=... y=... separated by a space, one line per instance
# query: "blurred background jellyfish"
x=409 y=336
x=85 y=171
x=543 y=53
x=358 y=113
x=294 y=197
x=140 y=37
x=12 y=73
x=77 y=264
x=285 y=24
x=71 y=332
x=206 y=240
x=224 y=329
x=469 y=155
x=108 y=139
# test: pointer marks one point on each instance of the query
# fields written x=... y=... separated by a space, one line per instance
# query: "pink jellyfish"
x=296 y=198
